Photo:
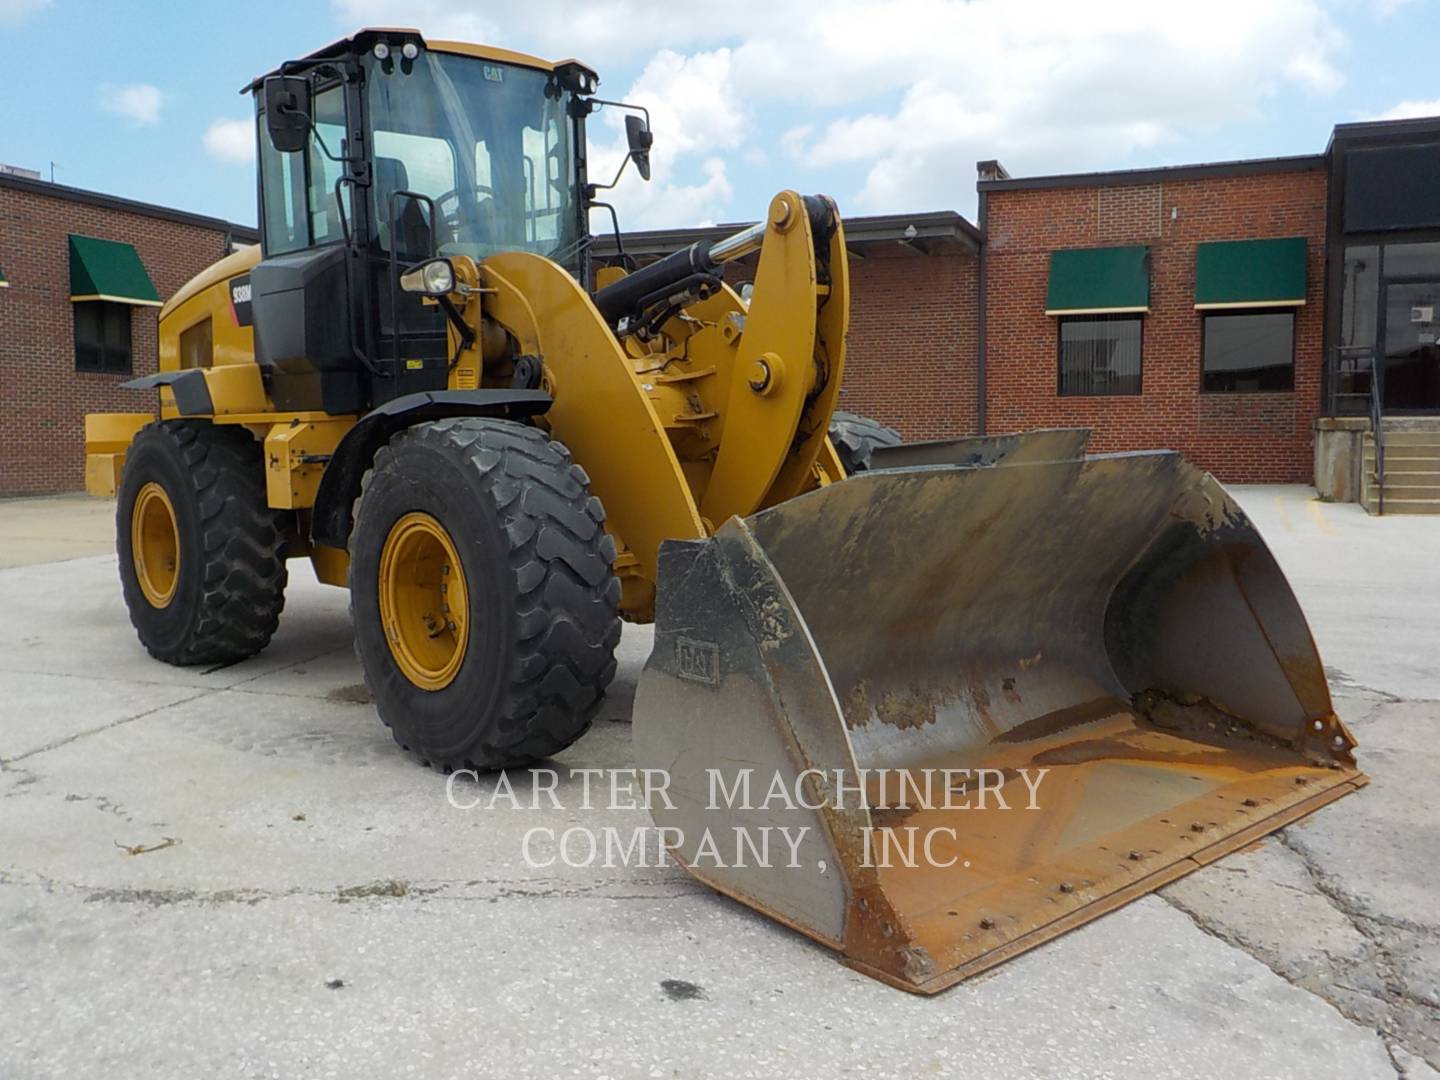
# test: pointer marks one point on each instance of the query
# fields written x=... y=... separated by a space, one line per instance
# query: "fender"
x=340 y=485
x=192 y=392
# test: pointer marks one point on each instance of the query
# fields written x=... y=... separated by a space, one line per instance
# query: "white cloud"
x=15 y=10
x=908 y=93
x=1049 y=86
x=694 y=113
x=1409 y=110
x=138 y=102
x=231 y=141
x=793 y=141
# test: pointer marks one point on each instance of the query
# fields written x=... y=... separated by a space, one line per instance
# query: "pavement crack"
x=1341 y=679
x=1397 y=1001
x=492 y=891
x=240 y=683
x=1386 y=1032
x=1335 y=896
x=67 y=740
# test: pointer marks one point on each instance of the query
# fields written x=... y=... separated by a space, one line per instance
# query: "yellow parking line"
x=1317 y=512
x=1285 y=522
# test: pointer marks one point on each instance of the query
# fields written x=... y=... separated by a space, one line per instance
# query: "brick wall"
x=910 y=357
x=43 y=399
x=1259 y=437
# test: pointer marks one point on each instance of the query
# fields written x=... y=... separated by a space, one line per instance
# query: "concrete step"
x=1403 y=506
x=1411 y=423
x=1394 y=489
x=1402 y=468
x=1405 y=466
x=1406 y=453
x=1407 y=438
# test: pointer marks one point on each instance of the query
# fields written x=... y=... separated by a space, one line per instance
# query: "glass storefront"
x=1388 y=318
x=1384 y=227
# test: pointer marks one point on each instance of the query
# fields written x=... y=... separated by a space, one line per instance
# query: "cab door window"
x=323 y=201
x=300 y=204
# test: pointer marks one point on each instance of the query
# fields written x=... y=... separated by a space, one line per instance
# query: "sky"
x=885 y=106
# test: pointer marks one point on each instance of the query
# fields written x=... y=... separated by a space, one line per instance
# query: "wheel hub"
x=155 y=544
x=424 y=605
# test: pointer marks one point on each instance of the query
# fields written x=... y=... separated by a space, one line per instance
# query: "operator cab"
x=381 y=151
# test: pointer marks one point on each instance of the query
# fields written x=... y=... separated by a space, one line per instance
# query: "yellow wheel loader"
x=986 y=689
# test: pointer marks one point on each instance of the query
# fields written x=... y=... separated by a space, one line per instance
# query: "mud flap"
x=935 y=717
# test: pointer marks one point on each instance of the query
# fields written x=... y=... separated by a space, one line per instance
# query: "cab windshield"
x=490 y=143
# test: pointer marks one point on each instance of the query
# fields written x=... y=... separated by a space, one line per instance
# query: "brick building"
x=84 y=275
x=1156 y=368
x=1238 y=311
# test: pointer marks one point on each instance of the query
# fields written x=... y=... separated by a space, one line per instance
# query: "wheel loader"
x=420 y=382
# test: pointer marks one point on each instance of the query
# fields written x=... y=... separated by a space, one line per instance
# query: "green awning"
x=109 y=270
x=1093 y=281
x=1250 y=273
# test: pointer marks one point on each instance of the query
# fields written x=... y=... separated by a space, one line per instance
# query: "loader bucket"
x=976 y=707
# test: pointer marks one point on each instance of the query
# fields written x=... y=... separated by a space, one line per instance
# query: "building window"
x=1250 y=352
x=102 y=337
x=1100 y=354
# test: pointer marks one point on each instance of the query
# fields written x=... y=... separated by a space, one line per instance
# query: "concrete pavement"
x=234 y=871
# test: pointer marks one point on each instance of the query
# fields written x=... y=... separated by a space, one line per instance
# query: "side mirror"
x=287 y=112
x=638 y=133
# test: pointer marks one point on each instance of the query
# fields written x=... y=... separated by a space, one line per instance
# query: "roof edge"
x=928 y=224
x=1199 y=171
x=129 y=206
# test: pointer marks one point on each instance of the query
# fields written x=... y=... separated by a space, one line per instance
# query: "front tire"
x=482 y=591
x=202 y=556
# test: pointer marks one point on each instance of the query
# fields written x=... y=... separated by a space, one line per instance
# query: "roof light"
x=381 y=50
x=409 y=50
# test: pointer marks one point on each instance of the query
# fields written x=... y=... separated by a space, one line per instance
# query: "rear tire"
x=202 y=556
x=497 y=514
x=855 y=438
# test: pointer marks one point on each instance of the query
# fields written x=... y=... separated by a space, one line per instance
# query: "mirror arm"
x=615 y=220
x=618 y=173
x=343 y=159
x=625 y=105
x=643 y=111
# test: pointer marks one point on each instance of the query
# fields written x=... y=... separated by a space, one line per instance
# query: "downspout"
x=981 y=303
x=984 y=170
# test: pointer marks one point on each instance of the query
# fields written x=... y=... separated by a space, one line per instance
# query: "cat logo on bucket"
x=698 y=660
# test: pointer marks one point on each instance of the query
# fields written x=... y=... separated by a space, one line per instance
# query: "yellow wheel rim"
x=424 y=606
x=155 y=545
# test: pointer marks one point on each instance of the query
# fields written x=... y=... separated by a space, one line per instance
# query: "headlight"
x=433 y=278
